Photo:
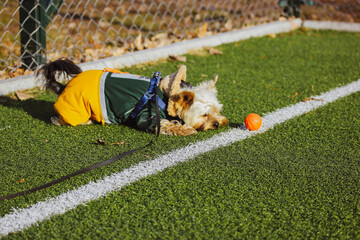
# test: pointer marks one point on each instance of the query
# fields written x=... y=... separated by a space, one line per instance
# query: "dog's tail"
x=52 y=70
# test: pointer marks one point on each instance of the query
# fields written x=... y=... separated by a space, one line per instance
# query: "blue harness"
x=151 y=94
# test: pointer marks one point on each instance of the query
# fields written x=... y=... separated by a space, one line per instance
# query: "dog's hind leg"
x=175 y=128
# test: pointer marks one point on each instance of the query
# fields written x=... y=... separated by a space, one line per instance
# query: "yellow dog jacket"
x=106 y=97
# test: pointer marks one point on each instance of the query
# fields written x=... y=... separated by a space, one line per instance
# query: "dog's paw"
x=88 y=122
x=186 y=130
x=55 y=121
x=175 y=128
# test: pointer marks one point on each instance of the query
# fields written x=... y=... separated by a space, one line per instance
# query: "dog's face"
x=199 y=107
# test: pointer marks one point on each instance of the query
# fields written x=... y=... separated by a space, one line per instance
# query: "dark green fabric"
x=122 y=95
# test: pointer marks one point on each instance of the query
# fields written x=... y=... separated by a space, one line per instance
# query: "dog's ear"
x=180 y=102
x=215 y=80
x=170 y=85
x=210 y=85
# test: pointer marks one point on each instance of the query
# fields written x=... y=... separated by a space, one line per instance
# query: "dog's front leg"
x=175 y=128
x=56 y=121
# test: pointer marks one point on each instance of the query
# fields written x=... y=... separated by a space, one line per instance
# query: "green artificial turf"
x=299 y=180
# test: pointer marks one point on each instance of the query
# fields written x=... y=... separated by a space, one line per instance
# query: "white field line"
x=23 y=218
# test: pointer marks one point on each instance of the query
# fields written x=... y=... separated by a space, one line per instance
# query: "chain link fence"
x=34 y=31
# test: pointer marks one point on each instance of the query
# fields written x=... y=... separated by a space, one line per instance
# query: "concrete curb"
x=25 y=82
x=183 y=47
x=338 y=26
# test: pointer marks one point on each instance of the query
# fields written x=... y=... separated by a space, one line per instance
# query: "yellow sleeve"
x=72 y=111
x=80 y=100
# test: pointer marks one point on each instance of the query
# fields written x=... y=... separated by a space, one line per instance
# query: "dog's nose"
x=216 y=125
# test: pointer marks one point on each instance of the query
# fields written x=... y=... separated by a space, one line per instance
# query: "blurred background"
x=35 y=31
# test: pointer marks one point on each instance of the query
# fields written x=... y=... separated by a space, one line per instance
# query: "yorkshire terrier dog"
x=111 y=96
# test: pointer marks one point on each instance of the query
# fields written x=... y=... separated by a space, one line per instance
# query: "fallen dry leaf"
x=201 y=32
x=312 y=99
x=160 y=40
x=149 y=44
x=178 y=58
x=160 y=36
x=28 y=72
x=296 y=94
x=23 y=96
x=20 y=181
x=100 y=141
x=229 y=25
x=138 y=43
x=214 y=51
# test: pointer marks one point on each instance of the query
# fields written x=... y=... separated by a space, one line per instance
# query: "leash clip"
x=149 y=95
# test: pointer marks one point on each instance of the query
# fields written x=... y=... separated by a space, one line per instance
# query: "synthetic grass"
x=257 y=75
x=299 y=180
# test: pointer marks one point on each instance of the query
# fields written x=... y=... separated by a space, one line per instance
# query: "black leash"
x=97 y=165
x=84 y=170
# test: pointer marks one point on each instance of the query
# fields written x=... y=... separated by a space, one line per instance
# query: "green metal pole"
x=35 y=15
x=32 y=50
x=292 y=7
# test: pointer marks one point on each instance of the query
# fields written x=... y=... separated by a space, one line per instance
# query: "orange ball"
x=253 y=121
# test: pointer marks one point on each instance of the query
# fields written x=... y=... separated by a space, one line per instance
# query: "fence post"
x=292 y=7
x=35 y=15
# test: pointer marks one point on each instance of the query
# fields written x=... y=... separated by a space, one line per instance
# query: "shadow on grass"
x=39 y=109
x=238 y=125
